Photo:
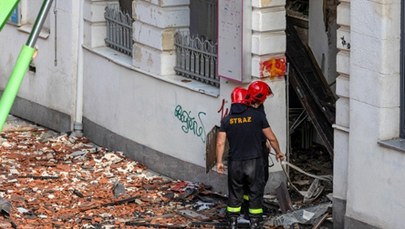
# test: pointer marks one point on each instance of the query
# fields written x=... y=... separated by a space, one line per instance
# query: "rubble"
x=51 y=180
x=303 y=216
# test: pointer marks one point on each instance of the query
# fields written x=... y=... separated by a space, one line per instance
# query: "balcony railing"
x=196 y=58
x=119 y=30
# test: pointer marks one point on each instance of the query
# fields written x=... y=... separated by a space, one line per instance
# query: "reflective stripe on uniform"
x=245 y=197
x=233 y=210
x=256 y=211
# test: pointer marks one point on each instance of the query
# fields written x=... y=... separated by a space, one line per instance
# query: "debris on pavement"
x=303 y=216
x=51 y=180
x=5 y=206
x=284 y=198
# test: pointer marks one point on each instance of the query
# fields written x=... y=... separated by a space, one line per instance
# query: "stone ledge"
x=126 y=62
x=397 y=144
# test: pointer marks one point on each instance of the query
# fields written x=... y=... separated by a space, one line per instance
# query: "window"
x=21 y=15
x=126 y=6
x=203 y=19
x=119 y=29
x=196 y=49
x=25 y=14
x=15 y=17
x=196 y=58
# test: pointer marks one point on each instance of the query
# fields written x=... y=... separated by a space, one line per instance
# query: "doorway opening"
x=311 y=54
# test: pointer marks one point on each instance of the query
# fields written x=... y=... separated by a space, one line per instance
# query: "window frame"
x=15 y=17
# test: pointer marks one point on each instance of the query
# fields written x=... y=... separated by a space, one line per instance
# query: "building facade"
x=369 y=155
x=127 y=89
x=137 y=96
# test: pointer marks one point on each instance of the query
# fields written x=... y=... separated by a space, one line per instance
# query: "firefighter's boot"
x=233 y=221
x=256 y=222
x=245 y=209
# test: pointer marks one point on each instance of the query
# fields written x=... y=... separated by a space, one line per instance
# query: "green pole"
x=14 y=82
x=22 y=64
x=6 y=8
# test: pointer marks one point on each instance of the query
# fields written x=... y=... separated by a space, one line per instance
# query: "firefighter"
x=244 y=128
x=258 y=91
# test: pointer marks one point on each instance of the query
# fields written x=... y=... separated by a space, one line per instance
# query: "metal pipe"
x=39 y=22
x=288 y=134
x=21 y=66
x=402 y=74
x=78 y=125
x=55 y=12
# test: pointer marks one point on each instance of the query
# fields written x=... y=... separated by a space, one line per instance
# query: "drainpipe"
x=78 y=125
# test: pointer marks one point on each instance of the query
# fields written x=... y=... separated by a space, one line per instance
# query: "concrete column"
x=268 y=36
x=342 y=126
x=94 y=22
x=268 y=44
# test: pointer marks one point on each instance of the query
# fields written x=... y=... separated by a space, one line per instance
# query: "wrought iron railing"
x=119 y=30
x=196 y=58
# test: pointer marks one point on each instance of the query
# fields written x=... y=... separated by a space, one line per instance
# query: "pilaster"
x=268 y=36
x=155 y=24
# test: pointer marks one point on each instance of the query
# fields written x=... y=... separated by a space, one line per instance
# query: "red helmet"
x=258 y=91
x=239 y=95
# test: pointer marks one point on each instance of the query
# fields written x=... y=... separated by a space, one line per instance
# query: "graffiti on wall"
x=222 y=110
x=272 y=68
x=191 y=124
x=345 y=43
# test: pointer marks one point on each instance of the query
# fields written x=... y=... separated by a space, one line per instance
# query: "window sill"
x=26 y=28
x=126 y=61
x=395 y=144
